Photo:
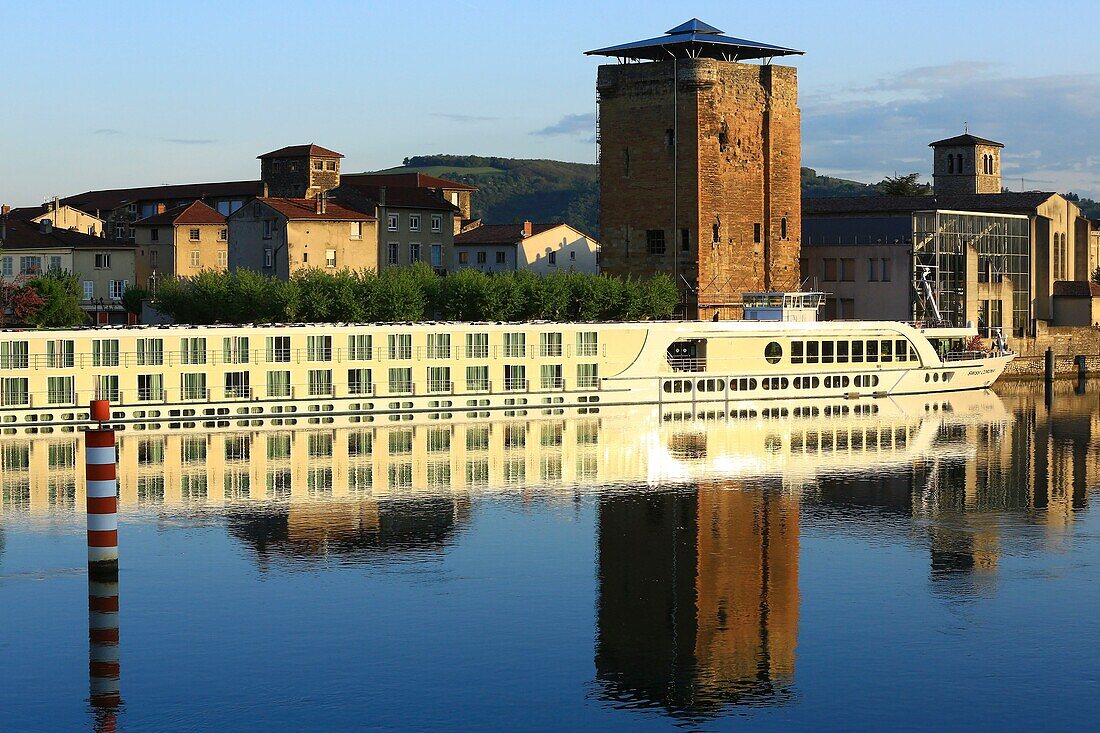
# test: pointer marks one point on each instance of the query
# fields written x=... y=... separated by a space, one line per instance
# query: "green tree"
x=133 y=298
x=60 y=296
x=1096 y=275
x=906 y=185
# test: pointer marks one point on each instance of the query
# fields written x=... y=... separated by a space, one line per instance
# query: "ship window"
x=811 y=352
x=899 y=349
x=857 y=352
x=796 y=352
x=841 y=352
x=887 y=351
x=773 y=352
x=826 y=352
x=872 y=351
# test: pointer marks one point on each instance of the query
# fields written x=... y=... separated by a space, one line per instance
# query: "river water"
x=905 y=564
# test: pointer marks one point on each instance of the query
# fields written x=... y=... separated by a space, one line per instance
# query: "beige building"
x=60 y=217
x=541 y=248
x=104 y=267
x=282 y=236
x=1076 y=303
x=414 y=224
x=459 y=195
x=182 y=242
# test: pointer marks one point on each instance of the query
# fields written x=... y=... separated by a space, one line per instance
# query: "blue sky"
x=104 y=95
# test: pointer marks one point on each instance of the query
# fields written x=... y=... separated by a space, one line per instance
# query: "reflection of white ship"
x=795 y=440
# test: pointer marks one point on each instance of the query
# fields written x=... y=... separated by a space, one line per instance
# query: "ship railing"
x=686 y=364
x=972 y=355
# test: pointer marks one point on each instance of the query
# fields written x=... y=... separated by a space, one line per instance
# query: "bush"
x=60 y=295
x=412 y=294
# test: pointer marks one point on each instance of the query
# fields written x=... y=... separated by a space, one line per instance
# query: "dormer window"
x=318 y=165
x=330 y=165
x=277 y=166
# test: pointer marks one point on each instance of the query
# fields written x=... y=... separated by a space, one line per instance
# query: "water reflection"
x=698 y=516
x=698 y=598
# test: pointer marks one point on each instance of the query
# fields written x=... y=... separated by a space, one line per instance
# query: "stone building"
x=59 y=216
x=300 y=171
x=700 y=165
x=966 y=164
x=182 y=242
x=459 y=195
x=540 y=248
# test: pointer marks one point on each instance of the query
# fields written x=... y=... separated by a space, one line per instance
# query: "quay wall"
x=1067 y=342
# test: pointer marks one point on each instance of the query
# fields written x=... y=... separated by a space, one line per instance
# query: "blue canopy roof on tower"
x=694 y=39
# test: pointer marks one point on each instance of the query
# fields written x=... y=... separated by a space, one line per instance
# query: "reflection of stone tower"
x=698 y=597
x=966 y=164
x=699 y=165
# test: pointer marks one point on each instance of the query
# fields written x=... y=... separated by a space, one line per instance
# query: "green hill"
x=514 y=189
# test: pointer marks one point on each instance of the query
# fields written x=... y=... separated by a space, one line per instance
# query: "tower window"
x=626 y=162
x=783 y=228
x=685 y=240
x=670 y=137
x=950 y=163
x=716 y=231
x=655 y=241
x=960 y=157
x=723 y=138
x=756 y=233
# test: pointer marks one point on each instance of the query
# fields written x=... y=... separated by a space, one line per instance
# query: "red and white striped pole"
x=103 y=662
x=102 y=491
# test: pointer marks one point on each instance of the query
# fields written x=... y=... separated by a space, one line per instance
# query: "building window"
x=55 y=263
x=193 y=234
x=154 y=235
x=400 y=346
x=153 y=258
x=320 y=382
x=848 y=270
x=267 y=228
x=278 y=384
x=103 y=260
x=330 y=165
x=439 y=379
x=359 y=381
x=392 y=222
x=414 y=252
x=278 y=348
x=360 y=347
x=885 y=270
x=828 y=269
x=477 y=378
x=277 y=166
x=393 y=253
x=756 y=233
x=437 y=255
x=414 y=222
x=872 y=272
x=117 y=288
x=477 y=346
x=588 y=376
x=89 y=289
x=439 y=346
x=515 y=376
x=437 y=222
x=223 y=258
x=549 y=344
x=319 y=348
x=30 y=265
x=356 y=232
x=481 y=258
x=8 y=266
x=400 y=379
x=515 y=345
x=501 y=257
x=573 y=255
x=223 y=235
x=104 y=352
x=783 y=228
x=196 y=258
x=318 y=165
x=268 y=257
x=655 y=241
x=463 y=258
x=330 y=258
x=552 y=258
x=587 y=343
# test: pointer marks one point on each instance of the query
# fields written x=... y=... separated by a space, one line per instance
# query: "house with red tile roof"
x=182 y=242
x=280 y=236
x=542 y=248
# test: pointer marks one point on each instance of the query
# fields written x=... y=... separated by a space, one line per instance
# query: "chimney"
x=381 y=195
x=5 y=210
x=56 y=204
x=526 y=229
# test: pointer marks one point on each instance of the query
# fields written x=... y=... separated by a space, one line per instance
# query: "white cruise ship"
x=218 y=376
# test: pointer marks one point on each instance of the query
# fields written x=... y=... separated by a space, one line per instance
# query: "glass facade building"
x=979 y=266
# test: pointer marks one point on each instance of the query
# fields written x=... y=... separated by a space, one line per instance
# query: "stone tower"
x=300 y=171
x=700 y=158
x=966 y=164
